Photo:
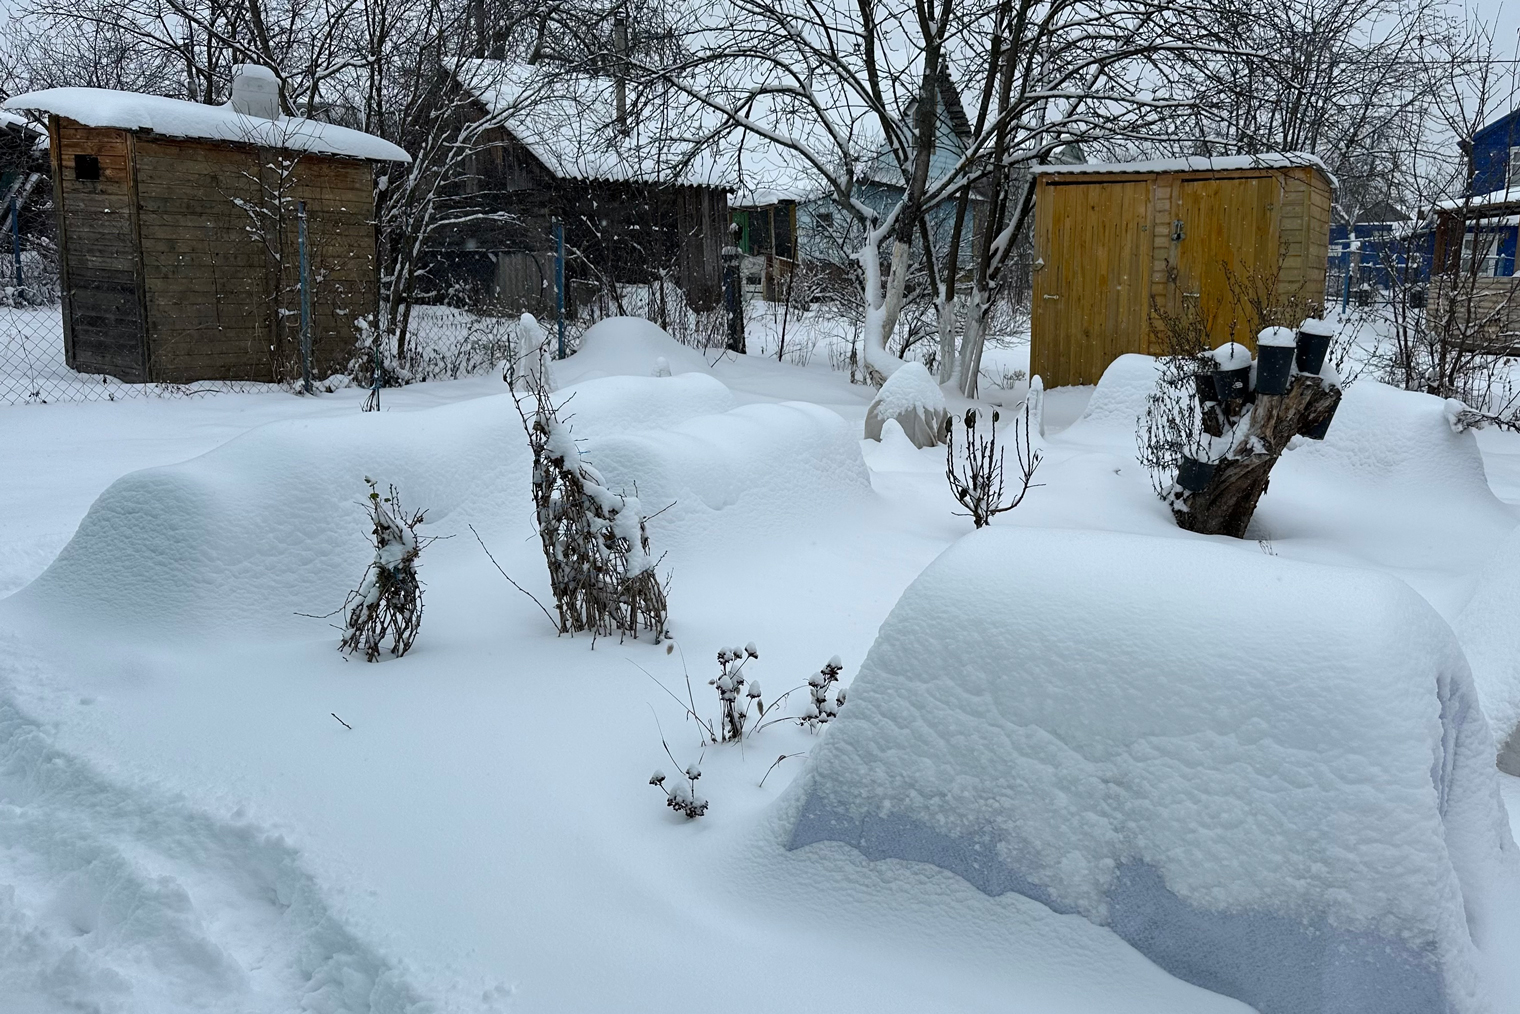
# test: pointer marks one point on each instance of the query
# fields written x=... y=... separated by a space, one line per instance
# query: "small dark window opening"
x=86 y=167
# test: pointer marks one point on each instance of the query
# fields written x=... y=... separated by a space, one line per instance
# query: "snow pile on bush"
x=912 y=398
x=1118 y=402
x=628 y=346
x=1272 y=778
x=1490 y=631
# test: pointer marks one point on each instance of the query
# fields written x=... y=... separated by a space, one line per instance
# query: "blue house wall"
x=1491 y=147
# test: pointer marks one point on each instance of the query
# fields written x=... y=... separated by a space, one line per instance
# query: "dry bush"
x=976 y=475
x=388 y=601
x=601 y=571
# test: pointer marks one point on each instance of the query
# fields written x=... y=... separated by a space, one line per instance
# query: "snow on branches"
x=388 y=601
x=594 y=540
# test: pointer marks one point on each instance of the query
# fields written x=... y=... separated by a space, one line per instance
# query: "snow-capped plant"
x=820 y=708
x=681 y=796
x=601 y=570
x=976 y=473
x=388 y=601
x=733 y=697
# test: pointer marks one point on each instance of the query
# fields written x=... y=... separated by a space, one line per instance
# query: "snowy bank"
x=1272 y=778
x=1491 y=638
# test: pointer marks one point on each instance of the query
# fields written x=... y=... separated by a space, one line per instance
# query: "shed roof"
x=104 y=107
x=1196 y=163
x=568 y=121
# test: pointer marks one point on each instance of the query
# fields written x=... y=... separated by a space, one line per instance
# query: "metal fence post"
x=559 y=282
x=733 y=297
x=16 y=243
x=305 y=297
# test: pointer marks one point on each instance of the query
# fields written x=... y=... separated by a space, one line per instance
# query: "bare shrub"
x=594 y=539
x=388 y=601
x=976 y=475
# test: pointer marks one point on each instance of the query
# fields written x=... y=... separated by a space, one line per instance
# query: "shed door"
x=1227 y=258
x=1090 y=295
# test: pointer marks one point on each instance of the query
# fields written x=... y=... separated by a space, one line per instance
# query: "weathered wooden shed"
x=632 y=180
x=1120 y=248
x=178 y=232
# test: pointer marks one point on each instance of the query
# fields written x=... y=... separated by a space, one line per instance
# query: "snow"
x=1253 y=806
x=1282 y=337
x=1193 y=163
x=1231 y=356
x=912 y=399
x=479 y=834
x=1491 y=637
x=103 y=107
x=1317 y=327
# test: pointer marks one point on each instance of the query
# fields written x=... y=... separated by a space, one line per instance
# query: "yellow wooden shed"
x=1126 y=251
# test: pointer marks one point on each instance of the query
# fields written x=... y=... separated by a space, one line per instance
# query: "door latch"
x=1179 y=231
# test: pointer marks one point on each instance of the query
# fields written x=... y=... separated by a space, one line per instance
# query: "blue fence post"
x=305 y=297
x=559 y=282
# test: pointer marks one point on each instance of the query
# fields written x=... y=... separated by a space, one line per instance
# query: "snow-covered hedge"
x=1272 y=778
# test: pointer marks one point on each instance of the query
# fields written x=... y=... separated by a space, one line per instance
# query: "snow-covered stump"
x=1250 y=429
x=910 y=396
x=1271 y=778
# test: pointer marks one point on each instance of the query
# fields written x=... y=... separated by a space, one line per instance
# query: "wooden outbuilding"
x=1125 y=252
x=179 y=225
x=638 y=198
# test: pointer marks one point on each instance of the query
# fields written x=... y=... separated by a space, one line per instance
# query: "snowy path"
x=133 y=899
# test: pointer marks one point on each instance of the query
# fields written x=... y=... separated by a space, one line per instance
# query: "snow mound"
x=1384 y=435
x=628 y=346
x=759 y=468
x=1118 y=402
x=1272 y=778
x=237 y=541
x=1491 y=638
x=911 y=398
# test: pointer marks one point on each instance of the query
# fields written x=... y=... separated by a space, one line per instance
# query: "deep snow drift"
x=480 y=834
x=1272 y=778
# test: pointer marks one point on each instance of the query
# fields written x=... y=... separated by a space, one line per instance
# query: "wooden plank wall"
x=208 y=314
x=1273 y=223
x=220 y=243
x=103 y=310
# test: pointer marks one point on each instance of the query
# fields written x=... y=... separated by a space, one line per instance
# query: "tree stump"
x=1263 y=425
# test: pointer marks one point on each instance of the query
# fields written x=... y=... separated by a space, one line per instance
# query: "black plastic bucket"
x=1274 y=368
x=1193 y=475
x=1318 y=432
x=1232 y=385
x=1205 y=383
x=1311 y=351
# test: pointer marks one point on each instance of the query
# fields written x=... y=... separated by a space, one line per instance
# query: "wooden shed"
x=638 y=198
x=178 y=233
x=1122 y=249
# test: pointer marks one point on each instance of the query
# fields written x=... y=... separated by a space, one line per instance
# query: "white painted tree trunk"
x=946 y=371
x=971 y=344
x=879 y=363
x=897 y=283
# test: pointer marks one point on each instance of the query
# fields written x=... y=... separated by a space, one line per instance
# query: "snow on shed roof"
x=104 y=107
x=569 y=123
x=1195 y=163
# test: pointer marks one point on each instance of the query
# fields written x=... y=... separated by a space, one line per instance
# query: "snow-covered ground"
x=185 y=825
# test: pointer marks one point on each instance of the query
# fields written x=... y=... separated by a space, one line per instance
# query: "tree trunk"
x=1226 y=505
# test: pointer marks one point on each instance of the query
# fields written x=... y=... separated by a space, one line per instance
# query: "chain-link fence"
x=33 y=370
